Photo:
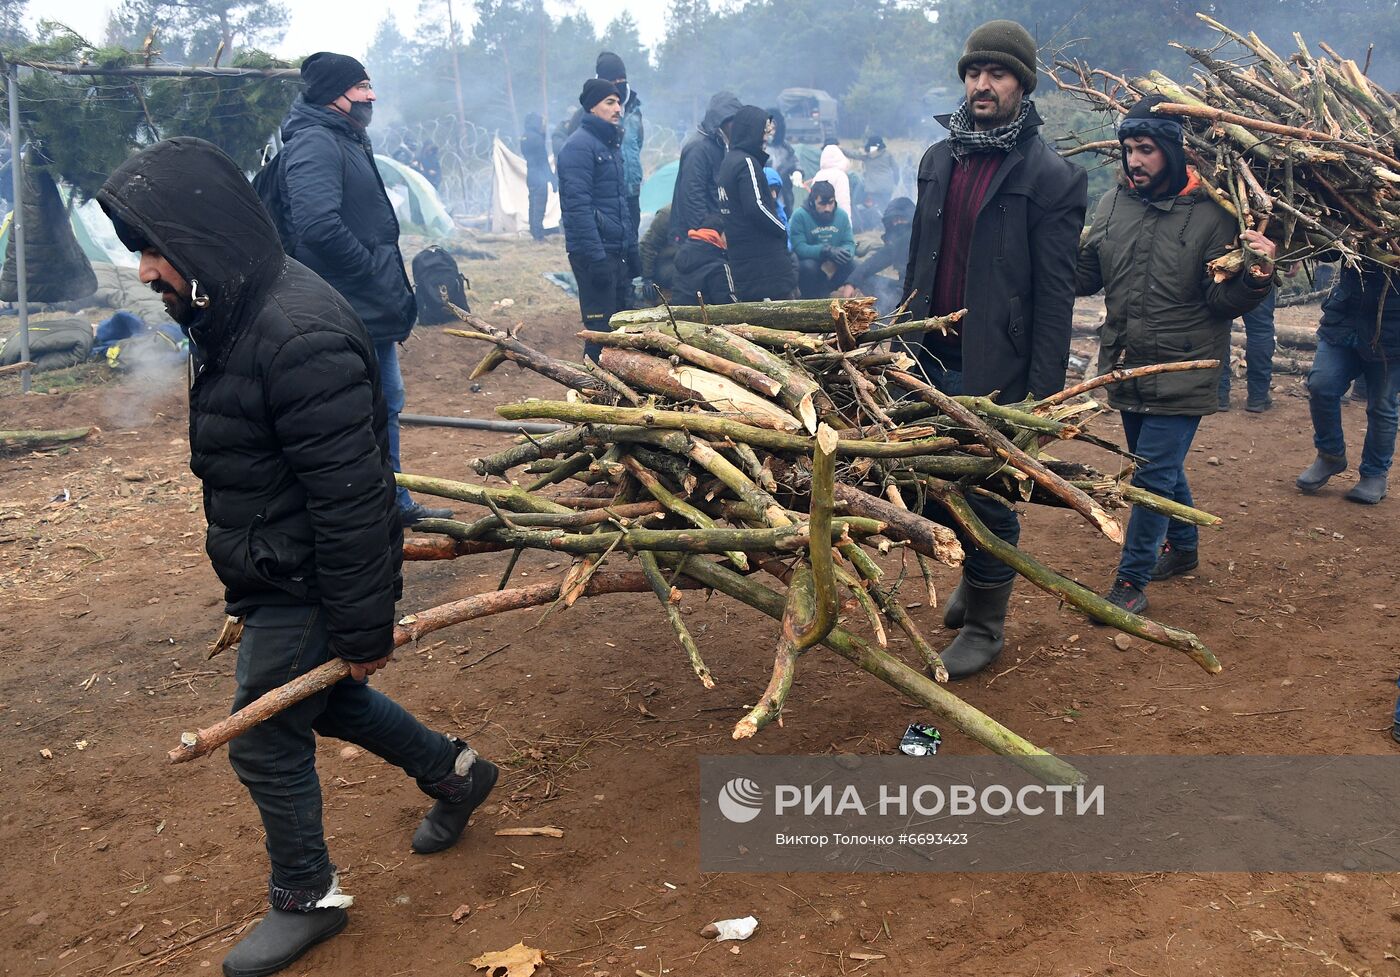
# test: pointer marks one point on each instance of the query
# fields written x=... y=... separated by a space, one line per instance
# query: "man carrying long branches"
x=289 y=435
x=1147 y=250
x=995 y=228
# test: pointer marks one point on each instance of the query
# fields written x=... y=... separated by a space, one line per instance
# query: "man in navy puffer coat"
x=343 y=226
x=598 y=232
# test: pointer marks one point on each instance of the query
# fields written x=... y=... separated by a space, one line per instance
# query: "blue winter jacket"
x=1352 y=313
x=343 y=224
x=593 y=193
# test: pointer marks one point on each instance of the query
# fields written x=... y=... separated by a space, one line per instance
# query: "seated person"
x=820 y=236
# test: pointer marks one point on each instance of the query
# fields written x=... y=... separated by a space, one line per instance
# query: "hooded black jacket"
x=341 y=219
x=758 y=242
x=701 y=155
x=287 y=420
x=893 y=251
x=1020 y=272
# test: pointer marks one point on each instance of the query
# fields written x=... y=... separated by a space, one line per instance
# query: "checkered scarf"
x=966 y=139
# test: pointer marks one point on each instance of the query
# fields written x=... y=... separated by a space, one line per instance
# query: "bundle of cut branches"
x=1305 y=144
x=710 y=446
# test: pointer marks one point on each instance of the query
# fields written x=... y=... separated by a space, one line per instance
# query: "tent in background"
x=510 y=197
x=658 y=188
x=416 y=203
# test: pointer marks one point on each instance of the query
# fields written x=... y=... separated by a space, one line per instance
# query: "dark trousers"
x=276 y=760
x=539 y=198
x=1334 y=368
x=604 y=289
x=814 y=283
x=1163 y=442
x=980 y=568
x=1258 y=351
x=634 y=211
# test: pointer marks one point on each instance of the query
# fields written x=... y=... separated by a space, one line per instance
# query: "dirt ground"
x=117 y=863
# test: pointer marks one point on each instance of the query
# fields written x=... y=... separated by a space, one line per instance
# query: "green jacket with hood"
x=1149 y=258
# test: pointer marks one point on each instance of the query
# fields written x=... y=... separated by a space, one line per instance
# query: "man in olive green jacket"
x=1147 y=249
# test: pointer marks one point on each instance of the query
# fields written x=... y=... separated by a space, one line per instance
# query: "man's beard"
x=824 y=218
x=1153 y=185
x=1002 y=113
x=180 y=309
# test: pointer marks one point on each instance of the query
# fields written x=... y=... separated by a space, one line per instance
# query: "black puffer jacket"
x=694 y=196
x=1020 y=276
x=287 y=420
x=758 y=242
x=343 y=224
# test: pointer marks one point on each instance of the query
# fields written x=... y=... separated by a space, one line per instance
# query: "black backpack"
x=269 y=186
x=433 y=269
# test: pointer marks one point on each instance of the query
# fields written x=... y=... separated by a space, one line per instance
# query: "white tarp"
x=510 y=197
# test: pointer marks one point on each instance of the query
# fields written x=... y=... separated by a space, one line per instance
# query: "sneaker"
x=1261 y=405
x=414 y=514
x=1127 y=596
x=1173 y=562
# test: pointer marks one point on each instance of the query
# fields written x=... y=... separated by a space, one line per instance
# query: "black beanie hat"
x=1002 y=42
x=610 y=67
x=594 y=91
x=329 y=76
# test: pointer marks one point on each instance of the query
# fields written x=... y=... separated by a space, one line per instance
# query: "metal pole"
x=17 y=226
x=473 y=424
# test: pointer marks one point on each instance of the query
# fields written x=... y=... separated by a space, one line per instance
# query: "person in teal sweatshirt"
x=820 y=236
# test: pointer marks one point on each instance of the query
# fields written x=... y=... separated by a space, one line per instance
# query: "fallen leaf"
x=519 y=961
x=865 y=956
x=544 y=832
x=461 y=913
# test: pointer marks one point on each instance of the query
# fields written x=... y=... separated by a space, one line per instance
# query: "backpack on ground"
x=433 y=269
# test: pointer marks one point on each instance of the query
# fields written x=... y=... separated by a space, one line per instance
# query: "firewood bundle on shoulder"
x=1303 y=146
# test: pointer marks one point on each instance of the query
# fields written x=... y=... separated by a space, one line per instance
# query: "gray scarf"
x=965 y=139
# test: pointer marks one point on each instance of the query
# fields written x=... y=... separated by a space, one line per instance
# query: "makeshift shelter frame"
x=12 y=66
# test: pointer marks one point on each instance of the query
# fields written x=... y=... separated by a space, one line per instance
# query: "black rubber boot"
x=459 y=794
x=280 y=938
x=983 y=630
x=1369 y=491
x=956 y=608
x=1320 y=471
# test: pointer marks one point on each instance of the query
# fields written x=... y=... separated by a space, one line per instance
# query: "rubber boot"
x=1320 y=471
x=983 y=630
x=280 y=938
x=1369 y=490
x=458 y=794
x=956 y=608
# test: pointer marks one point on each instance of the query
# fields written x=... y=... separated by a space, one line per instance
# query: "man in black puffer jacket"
x=598 y=231
x=342 y=225
x=694 y=197
x=288 y=435
x=759 y=259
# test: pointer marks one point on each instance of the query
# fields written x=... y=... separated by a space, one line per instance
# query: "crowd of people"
x=294 y=313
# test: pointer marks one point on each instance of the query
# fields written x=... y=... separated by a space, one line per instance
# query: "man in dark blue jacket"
x=289 y=437
x=598 y=231
x=1359 y=336
x=343 y=226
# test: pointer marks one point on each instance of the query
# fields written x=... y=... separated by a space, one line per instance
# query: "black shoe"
x=280 y=938
x=1224 y=405
x=1172 y=562
x=1320 y=471
x=983 y=630
x=1395 y=732
x=459 y=793
x=413 y=514
x=1369 y=490
x=1259 y=406
x=956 y=608
x=1128 y=596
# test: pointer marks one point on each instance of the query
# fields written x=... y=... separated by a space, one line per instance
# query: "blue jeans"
x=980 y=568
x=391 y=382
x=1258 y=351
x=1334 y=368
x=276 y=760
x=1163 y=442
